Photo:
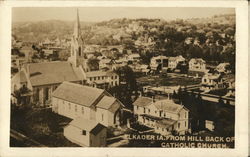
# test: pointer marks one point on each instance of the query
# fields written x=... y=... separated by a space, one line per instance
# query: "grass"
x=41 y=125
x=168 y=81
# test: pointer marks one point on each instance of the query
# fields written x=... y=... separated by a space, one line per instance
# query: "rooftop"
x=52 y=73
x=76 y=93
x=143 y=101
x=88 y=125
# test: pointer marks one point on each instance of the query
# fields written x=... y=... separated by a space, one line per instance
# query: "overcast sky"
x=96 y=14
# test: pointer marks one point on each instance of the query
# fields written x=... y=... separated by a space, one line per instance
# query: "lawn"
x=168 y=80
x=41 y=125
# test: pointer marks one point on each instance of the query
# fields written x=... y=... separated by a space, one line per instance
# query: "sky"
x=97 y=14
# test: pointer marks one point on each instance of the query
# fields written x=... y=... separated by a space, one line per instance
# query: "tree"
x=93 y=64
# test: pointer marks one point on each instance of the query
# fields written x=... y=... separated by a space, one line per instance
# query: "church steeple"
x=76 y=55
x=77 y=26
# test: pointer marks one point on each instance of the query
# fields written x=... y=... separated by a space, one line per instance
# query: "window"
x=69 y=106
x=82 y=110
x=83 y=132
x=185 y=123
x=185 y=114
x=90 y=78
x=179 y=125
x=137 y=107
x=144 y=110
x=148 y=110
x=75 y=108
x=102 y=117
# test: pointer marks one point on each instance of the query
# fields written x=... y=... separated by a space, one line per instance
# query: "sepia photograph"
x=123 y=77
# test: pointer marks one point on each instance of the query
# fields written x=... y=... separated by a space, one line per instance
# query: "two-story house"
x=102 y=79
x=173 y=61
x=212 y=81
x=164 y=116
x=161 y=61
x=197 y=65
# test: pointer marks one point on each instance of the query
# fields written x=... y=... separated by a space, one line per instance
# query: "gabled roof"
x=88 y=125
x=142 y=101
x=99 y=73
x=79 y=94
x=52 y=73
x=168 y=105
x=106 y=102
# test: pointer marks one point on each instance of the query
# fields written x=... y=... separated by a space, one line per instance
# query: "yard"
x=170 y=80
x=41 y=125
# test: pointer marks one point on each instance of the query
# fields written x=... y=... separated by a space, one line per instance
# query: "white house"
x=135 y=57
x=197 y=64
x=173 y=61
x=159 y=60
x=212 y=82
x=73 y=100
x=164 y=116
x=102 y=79
x=86 y=132
x=223 y=68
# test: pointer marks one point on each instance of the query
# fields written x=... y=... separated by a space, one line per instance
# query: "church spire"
x=77 y=26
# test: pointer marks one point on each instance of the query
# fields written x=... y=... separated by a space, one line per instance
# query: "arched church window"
x=79 y=51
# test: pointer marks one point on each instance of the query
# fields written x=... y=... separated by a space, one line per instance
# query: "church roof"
x=52 y=73
x=108 y=103
x=86 y=96
x=79 y=94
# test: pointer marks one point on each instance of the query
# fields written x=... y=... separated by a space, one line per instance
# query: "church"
x=41 y=79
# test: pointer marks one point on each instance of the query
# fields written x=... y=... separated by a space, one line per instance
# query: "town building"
x=174 y=61
x=73 y=100
x=164 y=116
x=86 y=133
x=43 y=78
x=134 y=58
x=223 y=68
x=197 y=65
x=102 y=79
x=212 y=81
x=161 y=61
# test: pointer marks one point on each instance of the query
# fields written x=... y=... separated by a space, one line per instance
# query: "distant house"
x=135 y=57
x=164 y=116
x=197 y=65
x=86 y=132
x=223 y=68
x=102 y=79
x=209 y=125
x=212 y=82
x=161 y=61
x=73 y=100
x=174 y=61
x=28 y=52
x=106 y=63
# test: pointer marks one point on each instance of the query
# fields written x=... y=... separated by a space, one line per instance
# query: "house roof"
x=79 y=94
x=99 y=127
x=99 y=73
x=109 y=103
x=52 y=73
x=168 y=105
x=142 y=101
x=88 y=125
x=197 y=60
